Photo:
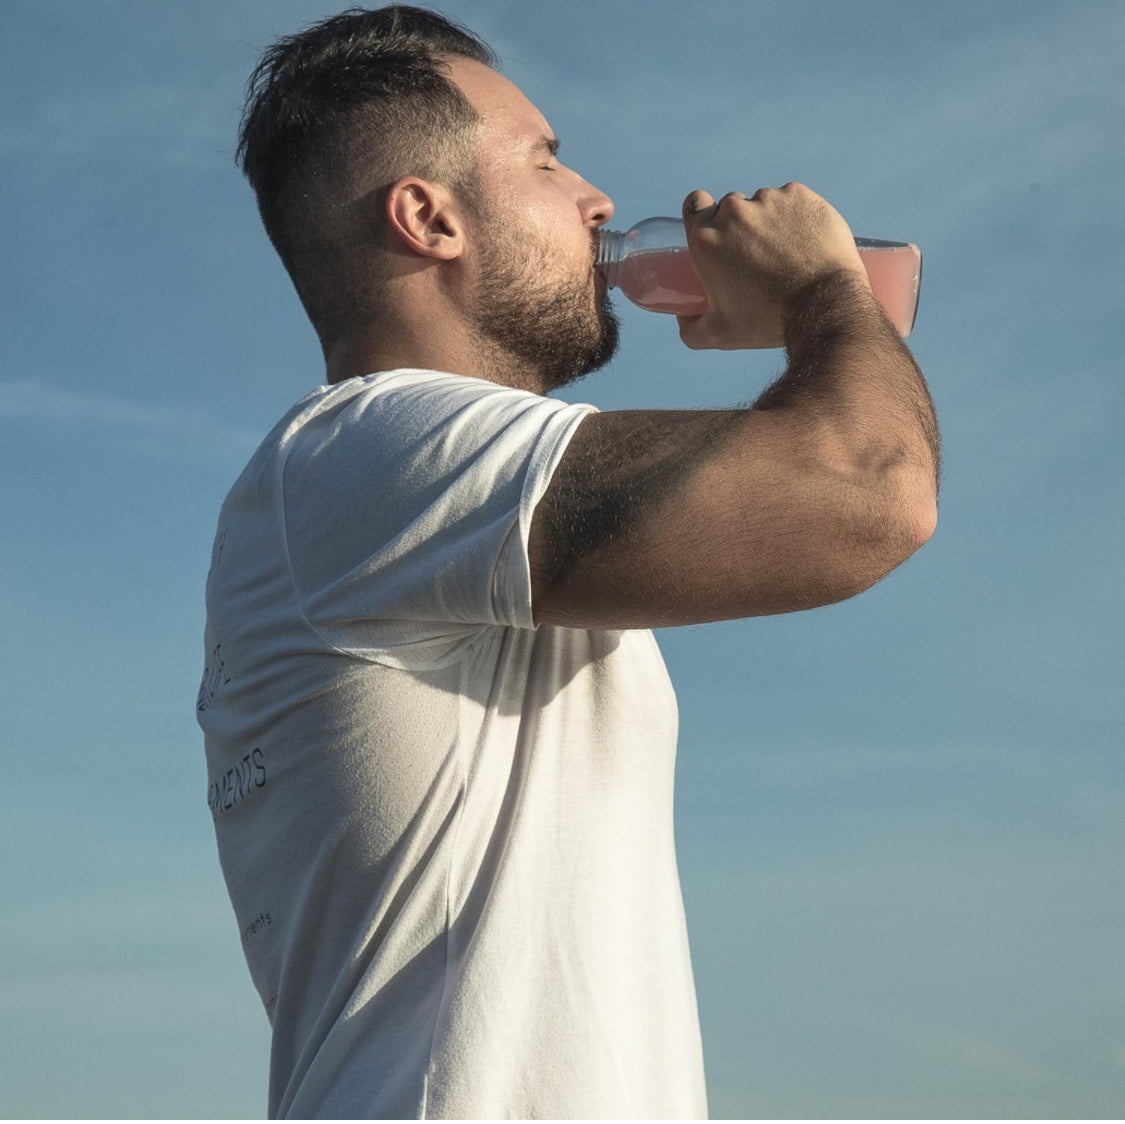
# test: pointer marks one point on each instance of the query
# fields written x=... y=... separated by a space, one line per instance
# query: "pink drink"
x=664 y=280
x=895 y=273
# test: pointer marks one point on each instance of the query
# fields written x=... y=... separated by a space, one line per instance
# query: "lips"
x=601 y=292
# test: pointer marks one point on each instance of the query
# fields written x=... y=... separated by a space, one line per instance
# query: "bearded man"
x=440 y=735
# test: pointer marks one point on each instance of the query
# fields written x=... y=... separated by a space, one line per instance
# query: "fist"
x=754 y=254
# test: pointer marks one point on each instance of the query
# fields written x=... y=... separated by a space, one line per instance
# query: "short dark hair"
x=334 y=115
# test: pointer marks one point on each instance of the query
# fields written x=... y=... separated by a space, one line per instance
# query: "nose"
x=596 y=206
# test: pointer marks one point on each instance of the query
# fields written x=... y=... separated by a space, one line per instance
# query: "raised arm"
x=811 y=495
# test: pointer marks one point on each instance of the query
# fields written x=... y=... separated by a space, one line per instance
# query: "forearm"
x=854 y=386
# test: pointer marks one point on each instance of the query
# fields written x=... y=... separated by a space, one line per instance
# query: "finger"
x=690 y=334
x=735 y=197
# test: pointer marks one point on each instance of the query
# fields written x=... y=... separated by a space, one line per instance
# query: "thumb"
x=696 y=202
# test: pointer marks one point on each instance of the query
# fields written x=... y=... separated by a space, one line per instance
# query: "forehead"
x=508 y=117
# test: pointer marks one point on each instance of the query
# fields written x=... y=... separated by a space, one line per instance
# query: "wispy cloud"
x=932 y=1042
x=22 y=399
x=165 y=122
x=1037 y=97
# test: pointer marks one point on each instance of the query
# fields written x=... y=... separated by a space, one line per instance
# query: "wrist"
x=837 y=303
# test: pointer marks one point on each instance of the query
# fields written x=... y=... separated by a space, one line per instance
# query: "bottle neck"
x=611 y=249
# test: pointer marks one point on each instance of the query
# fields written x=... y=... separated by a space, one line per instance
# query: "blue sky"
x=900 y=819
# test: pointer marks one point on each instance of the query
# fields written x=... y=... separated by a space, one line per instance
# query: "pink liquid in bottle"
x=663 y=280
x=895 y=273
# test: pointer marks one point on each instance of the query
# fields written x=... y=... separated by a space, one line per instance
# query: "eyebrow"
x=551 y=144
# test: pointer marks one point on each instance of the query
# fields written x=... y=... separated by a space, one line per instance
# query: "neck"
x=431 y=345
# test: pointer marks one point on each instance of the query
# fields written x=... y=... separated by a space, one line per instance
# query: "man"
x=440 y=736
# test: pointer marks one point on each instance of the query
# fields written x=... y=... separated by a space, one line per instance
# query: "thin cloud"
x=168 y=123
x=934 y=1043
x=950 y=125
x=24 y=399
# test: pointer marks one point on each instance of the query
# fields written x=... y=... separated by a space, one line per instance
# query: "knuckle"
x=725 y=203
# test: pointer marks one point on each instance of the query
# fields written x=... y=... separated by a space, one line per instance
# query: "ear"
x=425 y=218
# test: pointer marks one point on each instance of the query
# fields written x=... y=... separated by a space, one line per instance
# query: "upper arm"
x=663 y=517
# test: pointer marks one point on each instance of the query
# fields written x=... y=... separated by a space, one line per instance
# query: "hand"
x=754 y=255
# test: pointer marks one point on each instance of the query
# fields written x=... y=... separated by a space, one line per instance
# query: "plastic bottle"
x=650 y=264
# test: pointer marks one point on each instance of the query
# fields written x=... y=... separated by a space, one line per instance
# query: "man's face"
x=537 y=294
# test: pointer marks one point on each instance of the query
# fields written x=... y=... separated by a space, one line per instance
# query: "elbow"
x=917 y=507
x=926 y=523
x=889 y=494
x=909 y=521
x=909 y=526
x=891 y=530
x=875 y=538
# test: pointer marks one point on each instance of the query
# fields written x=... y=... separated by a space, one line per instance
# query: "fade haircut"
x=334 y=116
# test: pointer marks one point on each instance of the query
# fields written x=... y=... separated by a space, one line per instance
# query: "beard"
x=557 y=329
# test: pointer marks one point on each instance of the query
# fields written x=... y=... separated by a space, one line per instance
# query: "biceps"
x=618 y=470
x=659 y=518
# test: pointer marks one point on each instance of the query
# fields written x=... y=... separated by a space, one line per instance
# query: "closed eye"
x=549 y=145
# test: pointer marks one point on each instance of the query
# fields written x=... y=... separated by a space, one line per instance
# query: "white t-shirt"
x=447 y=834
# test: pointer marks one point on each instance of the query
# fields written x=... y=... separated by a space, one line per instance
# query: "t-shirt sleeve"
x=406 y=510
